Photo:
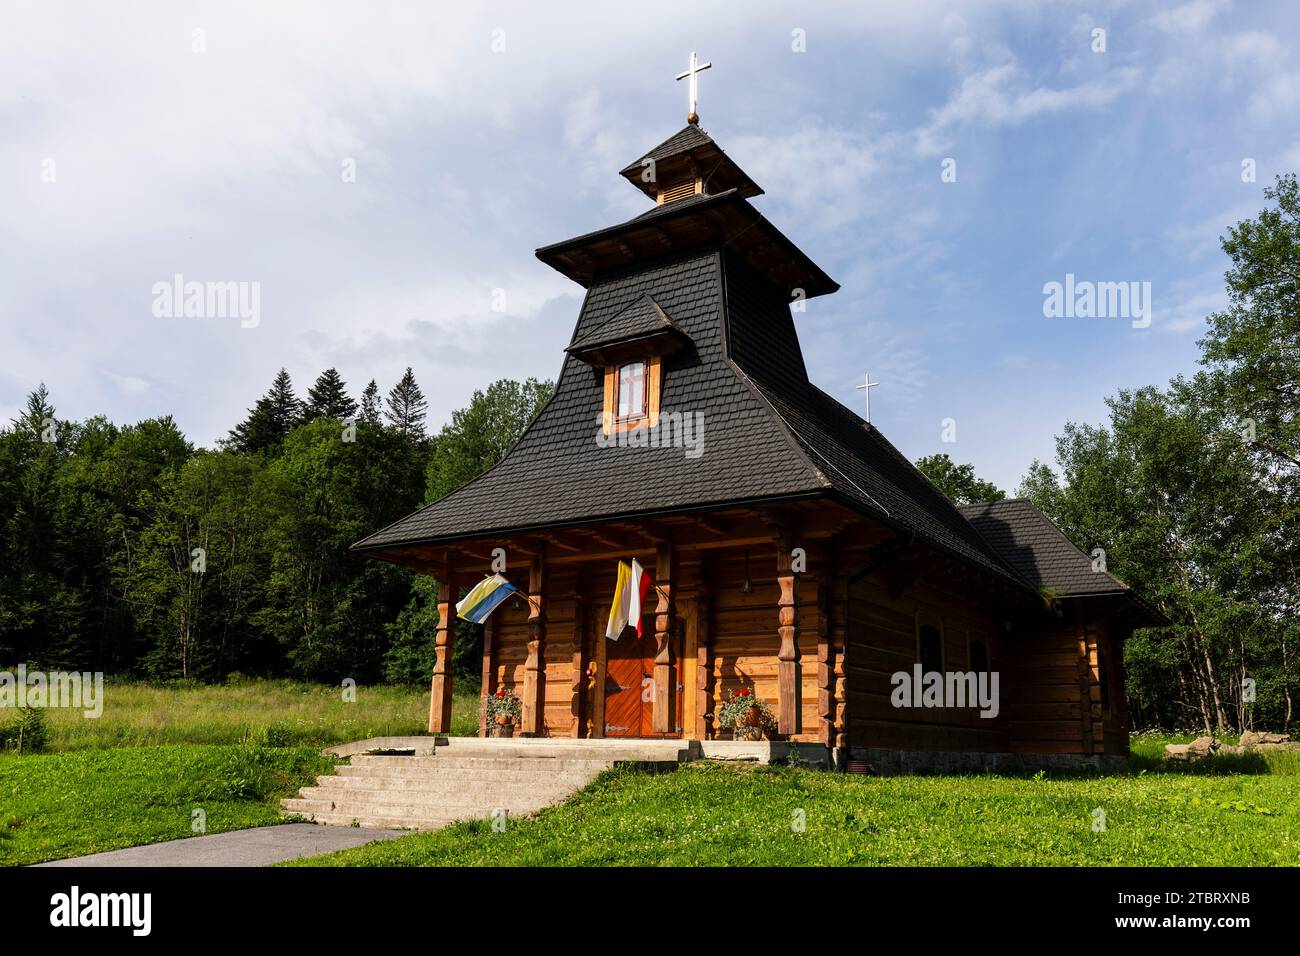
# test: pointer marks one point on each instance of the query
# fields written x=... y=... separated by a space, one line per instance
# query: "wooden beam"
x=787 y=655
x=665 y=568
x=564 y=542
x=444 y=642
x=579 y=684
x=534 y=702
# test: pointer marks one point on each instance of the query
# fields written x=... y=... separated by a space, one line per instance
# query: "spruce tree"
x=406 y=406
x=370 y=404
x=329 y=398
x=271 y=419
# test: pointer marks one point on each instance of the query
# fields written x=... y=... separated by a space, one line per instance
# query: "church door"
x=630 y=686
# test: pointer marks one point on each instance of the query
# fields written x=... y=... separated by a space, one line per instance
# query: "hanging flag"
x=483 y=598
x=621 y=606
x=642 y=584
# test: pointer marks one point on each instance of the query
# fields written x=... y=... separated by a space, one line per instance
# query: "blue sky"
x=224 y=163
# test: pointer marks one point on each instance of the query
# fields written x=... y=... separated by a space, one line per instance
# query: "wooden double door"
x=629 y=685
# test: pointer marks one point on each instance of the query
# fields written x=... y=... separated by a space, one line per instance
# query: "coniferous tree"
x=406 y=406
x=271 y=419
x=371 y=404
x=329 y=398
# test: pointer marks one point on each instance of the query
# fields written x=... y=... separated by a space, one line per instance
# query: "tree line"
x=128 y=550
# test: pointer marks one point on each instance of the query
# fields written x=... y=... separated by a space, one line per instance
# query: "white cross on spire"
x=693 y=72
x=866 y=386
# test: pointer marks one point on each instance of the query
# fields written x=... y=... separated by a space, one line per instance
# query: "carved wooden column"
x=489 y=671
x=534 y=703
x=825 y=661
x=839 y=640
x=598 y=677
x=787 y=656
x=579 y=685
x=703 y=664
x=665 y=559
x=444 y=641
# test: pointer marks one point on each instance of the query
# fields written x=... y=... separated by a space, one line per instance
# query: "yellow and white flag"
x=621 y=609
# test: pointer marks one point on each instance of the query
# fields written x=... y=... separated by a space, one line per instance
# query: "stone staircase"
x=427 y=782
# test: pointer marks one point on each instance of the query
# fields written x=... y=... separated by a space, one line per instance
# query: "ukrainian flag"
x=483 y=598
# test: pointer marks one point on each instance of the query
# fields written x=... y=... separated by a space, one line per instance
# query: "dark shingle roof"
x=687 y=153
x=1028 y=541
x=557 y=473
x=768 y=432
x=682 y=141
x=642 y=318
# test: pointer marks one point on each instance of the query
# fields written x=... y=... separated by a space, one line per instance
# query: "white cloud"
x=1003 y=95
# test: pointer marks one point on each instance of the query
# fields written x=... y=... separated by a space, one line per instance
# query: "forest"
x=129 y=550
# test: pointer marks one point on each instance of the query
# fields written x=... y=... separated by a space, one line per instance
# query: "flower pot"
x=748 y=732
x=503 y=720
x=503 y=730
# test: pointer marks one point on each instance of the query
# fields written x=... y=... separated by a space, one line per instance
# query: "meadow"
x=158 y=753
x=139 y=773
x=1225 y=812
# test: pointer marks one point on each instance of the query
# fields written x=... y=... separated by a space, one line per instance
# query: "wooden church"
x=795 y=551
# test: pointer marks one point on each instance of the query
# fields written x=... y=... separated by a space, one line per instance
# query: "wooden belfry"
x=795 y=553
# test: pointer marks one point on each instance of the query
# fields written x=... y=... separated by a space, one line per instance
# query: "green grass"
x=714 y=815
x=280 y=711
x=67 y=804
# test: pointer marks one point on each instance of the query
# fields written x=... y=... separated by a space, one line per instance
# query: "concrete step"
x=464 y=775
x=378 y=821
x=548 y=764
x=503 y=796
x=435 y=783
x=402 y=811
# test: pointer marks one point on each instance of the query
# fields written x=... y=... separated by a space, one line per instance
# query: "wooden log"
x=665 y=560
x=534 y=718
x=444 y=640
x=788 y=671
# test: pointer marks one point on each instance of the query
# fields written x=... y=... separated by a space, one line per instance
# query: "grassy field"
x=158 y=753
x=253 y=711
x=66 y=804
x=715 y=815
x=135 y=774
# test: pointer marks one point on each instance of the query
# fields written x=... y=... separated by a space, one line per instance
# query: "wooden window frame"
x=923 y=620
x=611 y=423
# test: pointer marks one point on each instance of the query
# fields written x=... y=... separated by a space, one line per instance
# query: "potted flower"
x=746 y=714
x=503 y=709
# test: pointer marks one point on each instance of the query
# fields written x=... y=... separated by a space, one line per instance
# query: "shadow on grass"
x=1251 y=762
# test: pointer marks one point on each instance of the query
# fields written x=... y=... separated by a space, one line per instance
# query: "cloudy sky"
x=218 y=141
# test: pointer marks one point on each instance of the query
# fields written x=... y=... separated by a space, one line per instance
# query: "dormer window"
x=632 y=394
x=631 y=391
x=629 y=347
